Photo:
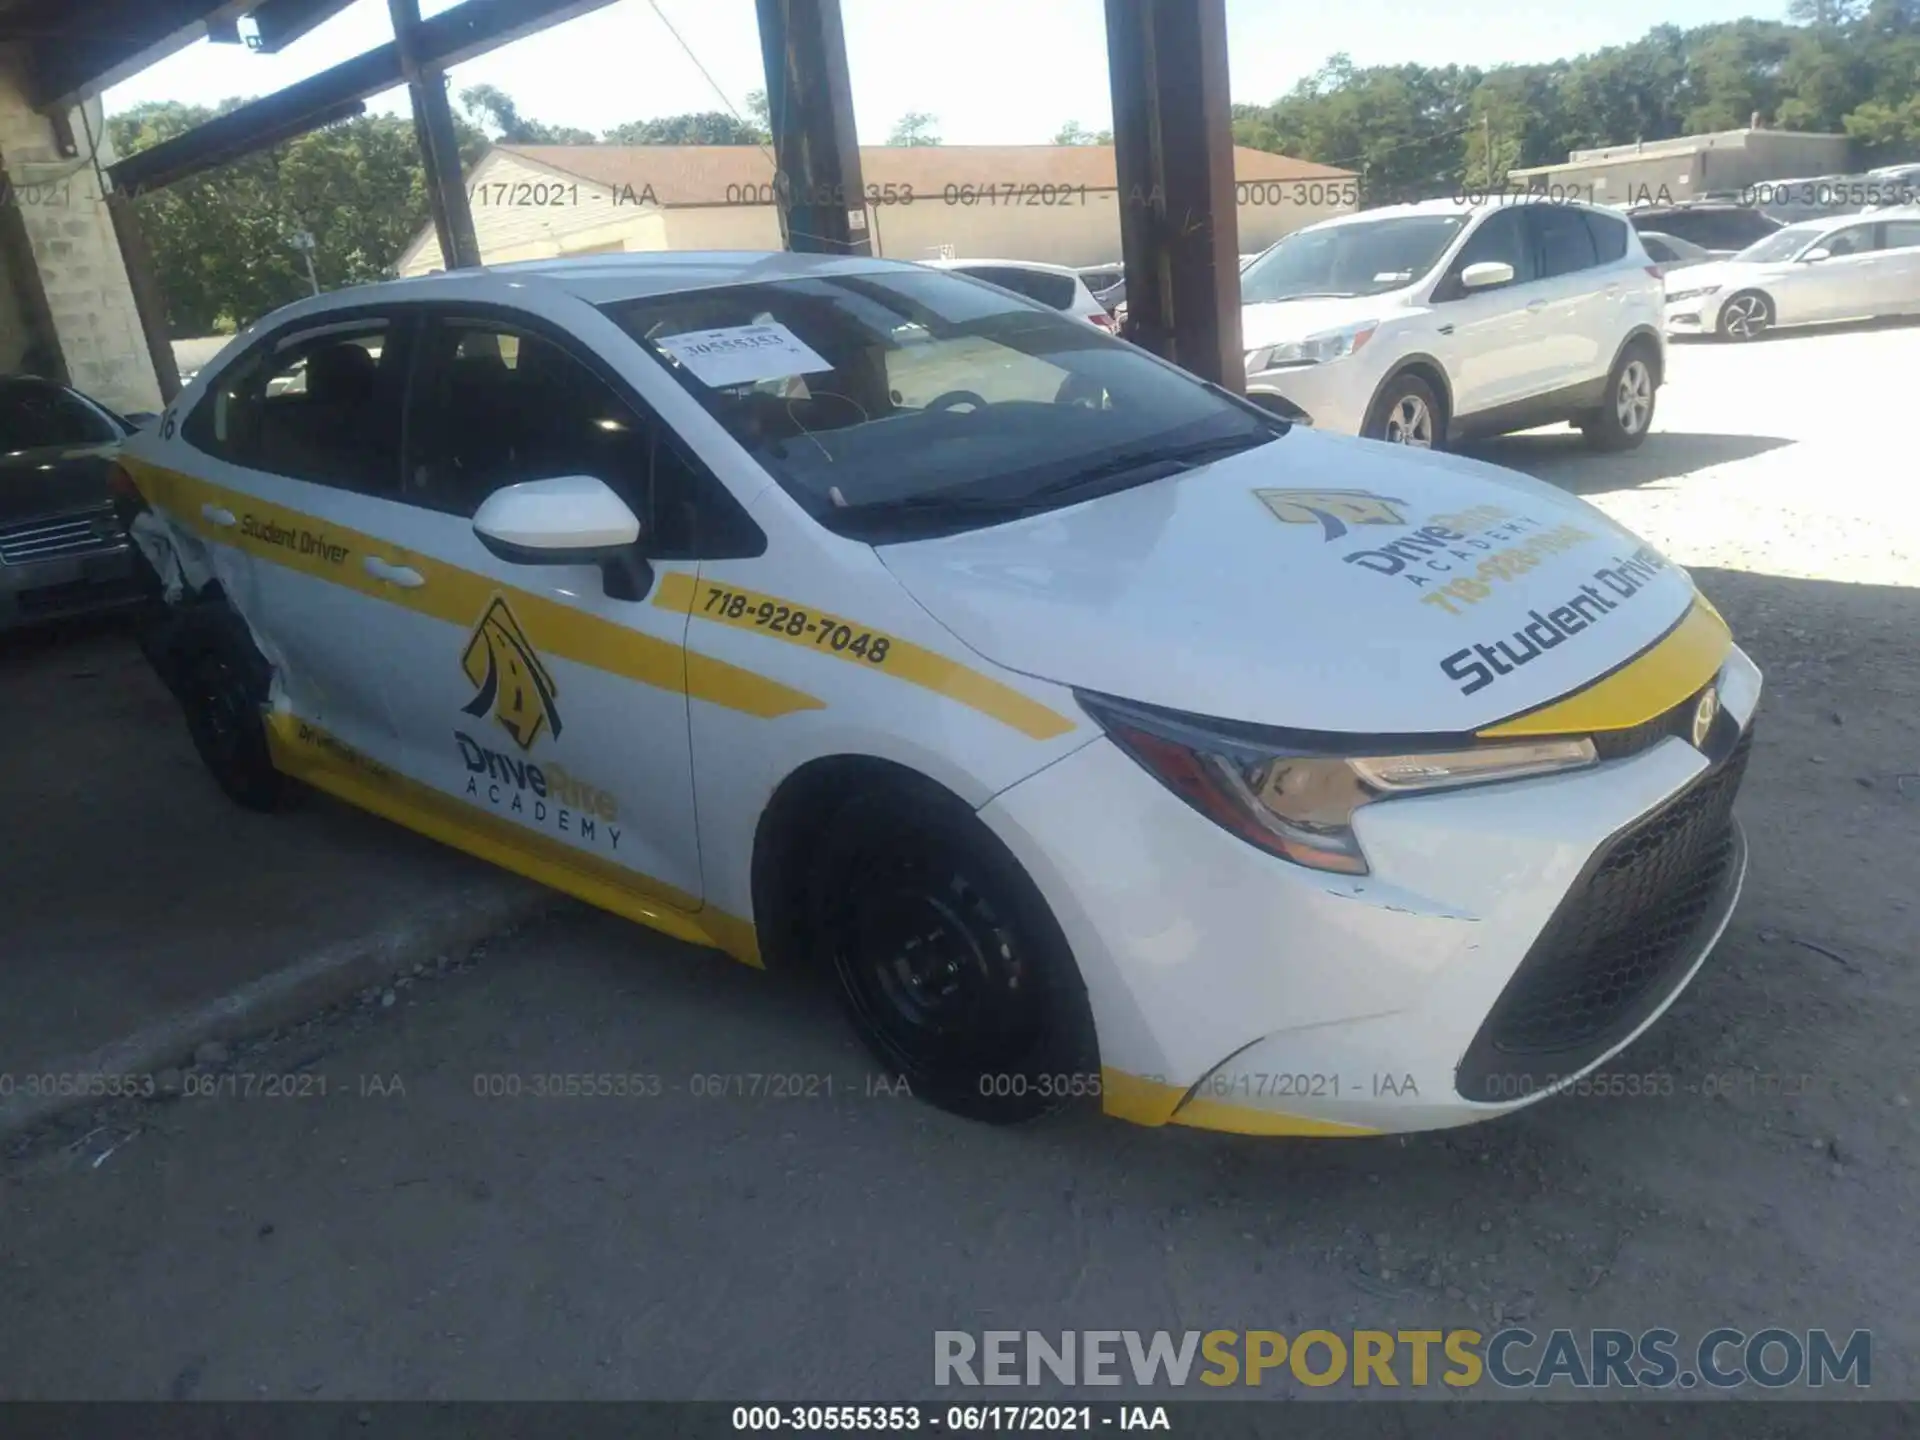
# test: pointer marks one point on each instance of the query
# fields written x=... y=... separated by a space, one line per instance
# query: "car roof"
x=944 y=264
x=599 y=279
x=1468 y=209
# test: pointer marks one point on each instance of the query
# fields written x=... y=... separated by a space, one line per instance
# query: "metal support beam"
x=95 y=49
x=149 y=300
x=439 y=145
x=816 y=150
x=443 y=41
x=279 y=23
x=1173 y=149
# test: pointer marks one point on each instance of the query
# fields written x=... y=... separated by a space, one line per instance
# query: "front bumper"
x=1510 y=939
x=106 y=579
x=1697 y=316
x=1332 y=396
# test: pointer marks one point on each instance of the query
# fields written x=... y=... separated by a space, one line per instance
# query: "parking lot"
x=392 y=1229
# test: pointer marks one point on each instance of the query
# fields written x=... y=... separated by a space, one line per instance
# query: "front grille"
x=88 y=533
x=1609 y=956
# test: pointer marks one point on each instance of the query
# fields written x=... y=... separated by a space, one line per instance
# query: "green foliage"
x=708 y=127
x=916 y=127
x=1074 y=133
x=1413 y=131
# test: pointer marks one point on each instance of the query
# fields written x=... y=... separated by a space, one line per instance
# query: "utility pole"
x=1486 y=145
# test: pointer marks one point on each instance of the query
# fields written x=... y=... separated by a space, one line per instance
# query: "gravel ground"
x=403 y=1236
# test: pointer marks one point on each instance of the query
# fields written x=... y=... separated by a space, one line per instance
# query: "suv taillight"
x=1103 y=320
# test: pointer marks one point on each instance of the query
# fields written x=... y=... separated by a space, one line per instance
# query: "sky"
x=991 y=72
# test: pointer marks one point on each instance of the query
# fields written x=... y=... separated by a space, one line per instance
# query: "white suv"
x=1065 y=290
x=1429 y=323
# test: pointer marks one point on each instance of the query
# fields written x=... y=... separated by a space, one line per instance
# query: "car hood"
x=1300 y=585
x=1280 y=320
x=34 y=483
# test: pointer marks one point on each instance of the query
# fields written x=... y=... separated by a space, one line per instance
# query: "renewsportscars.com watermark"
x=1512 y=1358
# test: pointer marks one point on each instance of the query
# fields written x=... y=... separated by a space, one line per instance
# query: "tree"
x=1074 y=133
x=708 y=127
x=916 y=127
x=490 y=104
x=220 y=239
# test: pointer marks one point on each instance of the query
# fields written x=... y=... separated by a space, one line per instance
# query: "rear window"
x=1059 y=291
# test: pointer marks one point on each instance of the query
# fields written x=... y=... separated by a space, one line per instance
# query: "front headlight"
x=1295 y=794
x=1674 y=297
x=1314 y=350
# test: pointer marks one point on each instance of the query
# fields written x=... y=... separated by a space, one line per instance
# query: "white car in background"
x=1057 y=286
x=1424 y=324
x=1851 y=268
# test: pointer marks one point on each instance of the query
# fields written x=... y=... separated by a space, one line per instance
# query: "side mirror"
x=1819 y=252
x=571 y=520
x=1486 y=274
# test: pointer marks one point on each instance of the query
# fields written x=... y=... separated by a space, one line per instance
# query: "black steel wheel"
x=951 y=967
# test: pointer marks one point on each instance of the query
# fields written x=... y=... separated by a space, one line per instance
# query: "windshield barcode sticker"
x=743 y=354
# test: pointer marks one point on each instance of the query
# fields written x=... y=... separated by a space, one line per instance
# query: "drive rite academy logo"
x=514 y=686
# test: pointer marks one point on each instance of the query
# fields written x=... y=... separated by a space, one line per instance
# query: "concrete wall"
x=74 y=248
x=1689 y=166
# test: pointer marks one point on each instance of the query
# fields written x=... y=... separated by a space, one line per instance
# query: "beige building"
x=1057 y=203
x=1689 y=166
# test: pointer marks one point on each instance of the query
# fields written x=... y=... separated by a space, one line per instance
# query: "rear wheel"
x=1623 y=419
x=1407 y=412
x=950 y=965
x=1746 y=316
x=223 y=693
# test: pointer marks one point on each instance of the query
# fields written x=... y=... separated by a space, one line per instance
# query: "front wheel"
x=1623 y=420
x=951 y=967
x=1746 y=316
x=1407 y=413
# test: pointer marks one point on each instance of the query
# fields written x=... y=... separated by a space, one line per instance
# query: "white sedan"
x=1089 y=729
x=1851 y=268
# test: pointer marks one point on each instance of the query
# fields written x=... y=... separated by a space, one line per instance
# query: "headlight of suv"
x=1314 y=350
x=1295 y=794
x=1674 y=297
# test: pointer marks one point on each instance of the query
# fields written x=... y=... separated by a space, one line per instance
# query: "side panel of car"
x=1901 y=239
x=822 y=615
x=1488 y=339
x=1839 y=286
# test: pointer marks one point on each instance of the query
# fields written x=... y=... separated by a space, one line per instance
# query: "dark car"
x=1712 y=225
x=63 y=551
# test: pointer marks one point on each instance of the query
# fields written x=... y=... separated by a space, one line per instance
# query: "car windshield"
x=902 y=402
x=1358 y=257
x=1781 y=245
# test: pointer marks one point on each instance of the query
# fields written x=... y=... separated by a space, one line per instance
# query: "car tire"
x=1623 y=419
x=222 y=690
x=1406 y=406
x=1745 y=317
x=948 y=962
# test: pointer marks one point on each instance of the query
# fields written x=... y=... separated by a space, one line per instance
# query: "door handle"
x=1536 y=305
x=215 y=515
x=401 y=575
x=1446 y=329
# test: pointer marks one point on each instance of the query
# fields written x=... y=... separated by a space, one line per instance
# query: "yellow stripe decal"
x=459 y=596
x=309 y=754
x=1148 y=1100
x=1653 y=682
x=822 y=633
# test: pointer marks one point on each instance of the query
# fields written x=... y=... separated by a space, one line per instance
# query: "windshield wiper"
x=1180 y=457
x=1310 y=295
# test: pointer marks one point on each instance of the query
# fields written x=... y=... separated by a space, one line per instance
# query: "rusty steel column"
x=819 y=191
x=1173 y=150
x=439 y=146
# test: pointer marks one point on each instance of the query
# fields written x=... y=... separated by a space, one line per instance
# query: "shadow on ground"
x=1562 y=457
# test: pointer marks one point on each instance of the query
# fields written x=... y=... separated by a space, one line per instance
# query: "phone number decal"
x=1509 y=564
x=826 y=633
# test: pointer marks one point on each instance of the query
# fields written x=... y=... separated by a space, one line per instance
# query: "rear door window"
x=1565 y=243
x=318 y=403
x=1610 y=237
